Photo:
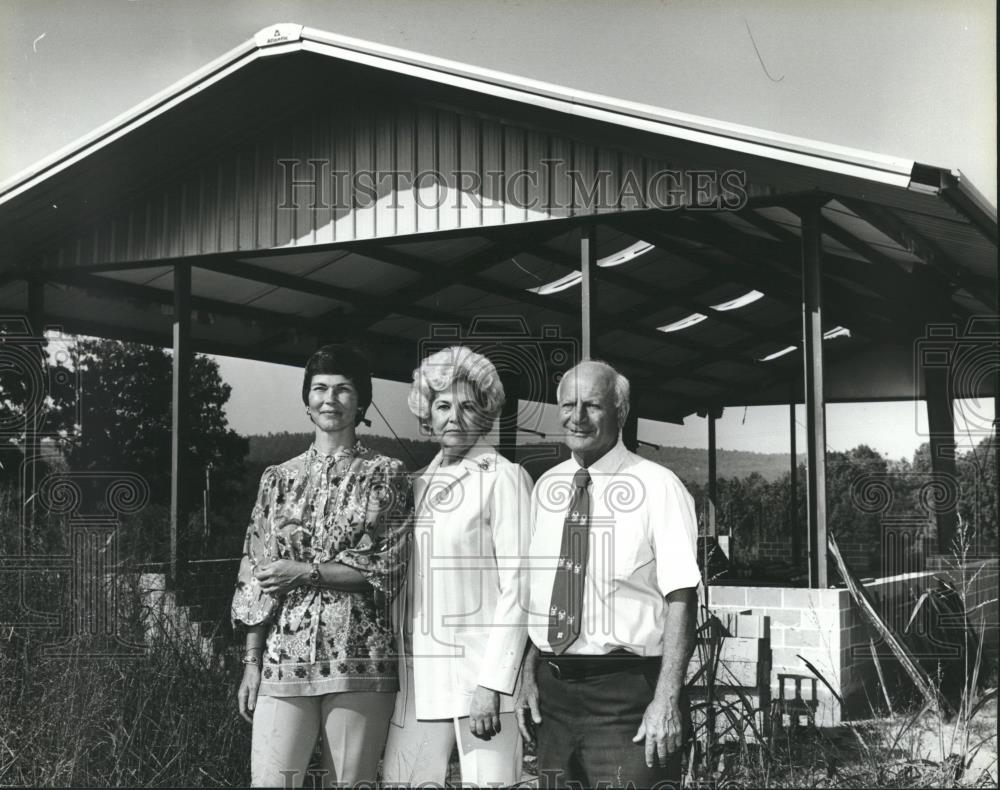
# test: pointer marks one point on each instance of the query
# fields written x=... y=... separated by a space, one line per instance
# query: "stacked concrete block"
x=825 y=628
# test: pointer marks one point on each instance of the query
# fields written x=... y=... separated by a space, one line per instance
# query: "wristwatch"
x=314 y=573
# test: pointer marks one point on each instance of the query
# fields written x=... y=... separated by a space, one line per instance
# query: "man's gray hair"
x=623 y=390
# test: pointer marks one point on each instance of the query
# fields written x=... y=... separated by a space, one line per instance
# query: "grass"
x=926 y=746
x=167 y=716
x=164 y=717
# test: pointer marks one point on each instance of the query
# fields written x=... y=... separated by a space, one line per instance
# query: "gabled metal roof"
x=189 y=177
x=287 y=38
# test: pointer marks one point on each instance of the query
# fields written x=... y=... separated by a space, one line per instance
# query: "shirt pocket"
x=616 y=547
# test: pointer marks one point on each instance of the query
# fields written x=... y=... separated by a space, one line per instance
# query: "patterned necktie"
x=566 y=605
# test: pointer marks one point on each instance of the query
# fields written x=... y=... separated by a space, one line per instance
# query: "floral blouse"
x=353 y=507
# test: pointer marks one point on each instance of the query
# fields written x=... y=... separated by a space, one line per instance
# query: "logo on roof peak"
x=281 y=33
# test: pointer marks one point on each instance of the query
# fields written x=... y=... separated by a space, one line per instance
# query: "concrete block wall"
x=894 y=599
x=864 y=556
x=827 y=629
x=164 y=618
x=804 y=622
x=981 y=576
x=199 y=611
x=773 y=549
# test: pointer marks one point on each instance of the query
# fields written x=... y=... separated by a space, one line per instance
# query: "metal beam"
x=507 y=428
x=968 y=201
x=884 y=276
x=663 y=298
x=180 y=426
x=794 y=528
x=261 y=274
x=941 y=424
x=812 y=345
x=912 y=241
x=630 y=430
x=754 y=263
x=588 y=262
x=390 y=352
x=788 y=375
x=553 y=227
x=436 y=278
x=33 y=424
x=162 y=296
x=849 y=305
x=600 y=321
x=713 y=477
x=937 y=360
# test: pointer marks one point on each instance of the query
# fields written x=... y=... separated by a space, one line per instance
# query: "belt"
x=570 y=668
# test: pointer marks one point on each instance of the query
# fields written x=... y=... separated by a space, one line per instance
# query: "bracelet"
x=251 y=658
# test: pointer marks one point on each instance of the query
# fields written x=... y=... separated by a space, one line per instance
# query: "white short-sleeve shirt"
x=643 y=538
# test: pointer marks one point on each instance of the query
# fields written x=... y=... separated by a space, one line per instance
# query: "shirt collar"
x=610 y=461
x=339 y=454
x=481 y=457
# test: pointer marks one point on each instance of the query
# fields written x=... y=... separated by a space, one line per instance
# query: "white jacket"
x=465 y=595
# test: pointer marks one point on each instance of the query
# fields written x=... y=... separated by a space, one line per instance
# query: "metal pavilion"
x=306 y=187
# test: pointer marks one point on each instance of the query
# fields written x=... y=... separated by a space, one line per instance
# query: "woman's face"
x=456 y=419
x=333 y=402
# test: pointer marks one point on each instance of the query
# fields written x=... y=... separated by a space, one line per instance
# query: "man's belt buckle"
x=555 y=669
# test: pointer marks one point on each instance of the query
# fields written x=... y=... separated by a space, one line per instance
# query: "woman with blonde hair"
x=324 y=554
x=464 y=629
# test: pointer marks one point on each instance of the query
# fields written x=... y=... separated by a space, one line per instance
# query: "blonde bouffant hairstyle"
x=441 y=369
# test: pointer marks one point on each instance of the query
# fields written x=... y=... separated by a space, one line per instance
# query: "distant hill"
x=273 y=448
x=691 y=465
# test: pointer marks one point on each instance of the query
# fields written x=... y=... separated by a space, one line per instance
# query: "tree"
x=849 y=516
x=34 y=391
x=977 y=496
x=125 y=423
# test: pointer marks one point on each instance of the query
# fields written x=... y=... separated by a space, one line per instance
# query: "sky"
x=894 y=429
x=913 y=78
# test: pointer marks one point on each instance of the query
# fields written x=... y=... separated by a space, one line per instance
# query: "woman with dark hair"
x=324 y=554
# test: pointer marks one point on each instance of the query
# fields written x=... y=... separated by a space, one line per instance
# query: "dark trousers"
x=585 y=738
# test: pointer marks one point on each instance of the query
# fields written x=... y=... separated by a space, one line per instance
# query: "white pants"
x=417 y=752
x=353 y=729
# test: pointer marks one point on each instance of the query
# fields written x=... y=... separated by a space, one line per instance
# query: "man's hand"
x=662 y=729
x=247 y=695
x=281 y=576
x=525 y=705
x=484 y=713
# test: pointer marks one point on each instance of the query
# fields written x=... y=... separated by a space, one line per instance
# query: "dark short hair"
x=344 y=360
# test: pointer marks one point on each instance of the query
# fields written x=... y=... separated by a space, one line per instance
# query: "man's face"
x=588 y=413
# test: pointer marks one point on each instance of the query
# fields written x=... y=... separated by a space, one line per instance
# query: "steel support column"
x=812 y=347
x=588 y=261
x=941 y=424
x=713 y=475
x=794 y=528
x=180 y=422
x=509 y=415
x=940 y=372
x=33 y=426
x=630 y=430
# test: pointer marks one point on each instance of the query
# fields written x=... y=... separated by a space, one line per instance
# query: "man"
x=612 y=576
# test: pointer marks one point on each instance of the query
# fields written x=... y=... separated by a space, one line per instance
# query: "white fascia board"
x=734 y=137
x=156 y=105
